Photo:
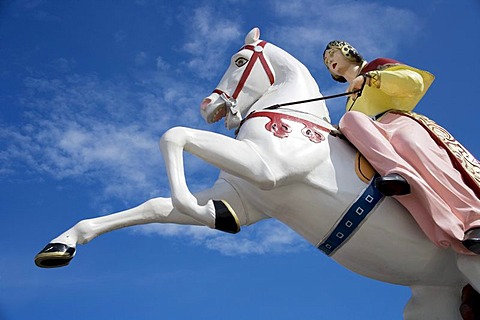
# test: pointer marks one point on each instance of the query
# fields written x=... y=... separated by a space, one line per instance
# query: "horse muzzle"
x=222 y=106
x=213 y=110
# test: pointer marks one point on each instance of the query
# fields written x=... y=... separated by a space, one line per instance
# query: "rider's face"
x=336 y=62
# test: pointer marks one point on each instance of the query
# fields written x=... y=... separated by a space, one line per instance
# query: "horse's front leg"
x=238 y=158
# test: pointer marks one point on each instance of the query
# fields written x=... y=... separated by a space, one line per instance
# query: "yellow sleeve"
x=398 y=87
x=401 y=82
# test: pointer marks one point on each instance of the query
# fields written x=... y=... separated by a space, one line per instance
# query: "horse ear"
x=252 y=36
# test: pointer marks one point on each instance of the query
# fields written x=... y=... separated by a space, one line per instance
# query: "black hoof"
x=54 y=255
x=225 y=218
x=392 y=185
x=472 y=240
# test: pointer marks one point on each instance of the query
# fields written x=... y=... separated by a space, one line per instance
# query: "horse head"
x=244 y=82
x=255 y=70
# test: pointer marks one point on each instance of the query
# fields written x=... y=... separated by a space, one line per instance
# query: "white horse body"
x=303 y=183
x=312 y=209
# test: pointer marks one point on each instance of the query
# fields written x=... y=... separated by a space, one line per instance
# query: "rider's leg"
x=400 y=145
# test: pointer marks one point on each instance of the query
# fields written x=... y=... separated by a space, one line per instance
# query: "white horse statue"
x=287 y=163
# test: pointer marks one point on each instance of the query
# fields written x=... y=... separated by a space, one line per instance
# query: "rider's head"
x=348 y=51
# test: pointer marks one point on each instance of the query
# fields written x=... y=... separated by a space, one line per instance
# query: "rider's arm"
x=399 y=82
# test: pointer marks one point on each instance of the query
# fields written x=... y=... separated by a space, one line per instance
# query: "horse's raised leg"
x=61 y=250
x=433 y=302
x=238 y=158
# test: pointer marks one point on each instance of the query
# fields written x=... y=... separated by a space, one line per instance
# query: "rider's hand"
x=356 y=85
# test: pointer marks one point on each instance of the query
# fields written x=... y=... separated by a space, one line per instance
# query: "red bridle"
x=257 y=55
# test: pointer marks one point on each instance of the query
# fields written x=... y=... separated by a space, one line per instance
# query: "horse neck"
x=293 y=82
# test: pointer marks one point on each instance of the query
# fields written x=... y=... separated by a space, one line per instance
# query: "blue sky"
x=88 y=87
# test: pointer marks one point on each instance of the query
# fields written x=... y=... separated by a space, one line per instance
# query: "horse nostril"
x=205 y=103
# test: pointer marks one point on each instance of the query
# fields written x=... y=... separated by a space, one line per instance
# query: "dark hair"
x=348 y=52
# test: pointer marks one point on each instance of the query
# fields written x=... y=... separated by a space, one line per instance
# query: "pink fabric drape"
x=441 y=203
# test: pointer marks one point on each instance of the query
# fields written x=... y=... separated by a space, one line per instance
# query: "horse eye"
x=240 y=61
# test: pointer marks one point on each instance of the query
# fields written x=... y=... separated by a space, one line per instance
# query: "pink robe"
x=440 y=201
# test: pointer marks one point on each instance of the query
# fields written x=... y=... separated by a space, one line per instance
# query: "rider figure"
x=414 y=167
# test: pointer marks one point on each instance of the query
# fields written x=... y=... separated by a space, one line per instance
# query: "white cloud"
x=210 y=36
x=141 y=58
x=265 y=237
x=120 y=36
x=373 y=27
x=83 y=127
x=161 y=64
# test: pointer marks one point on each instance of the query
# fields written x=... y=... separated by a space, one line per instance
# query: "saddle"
x=363 y=168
